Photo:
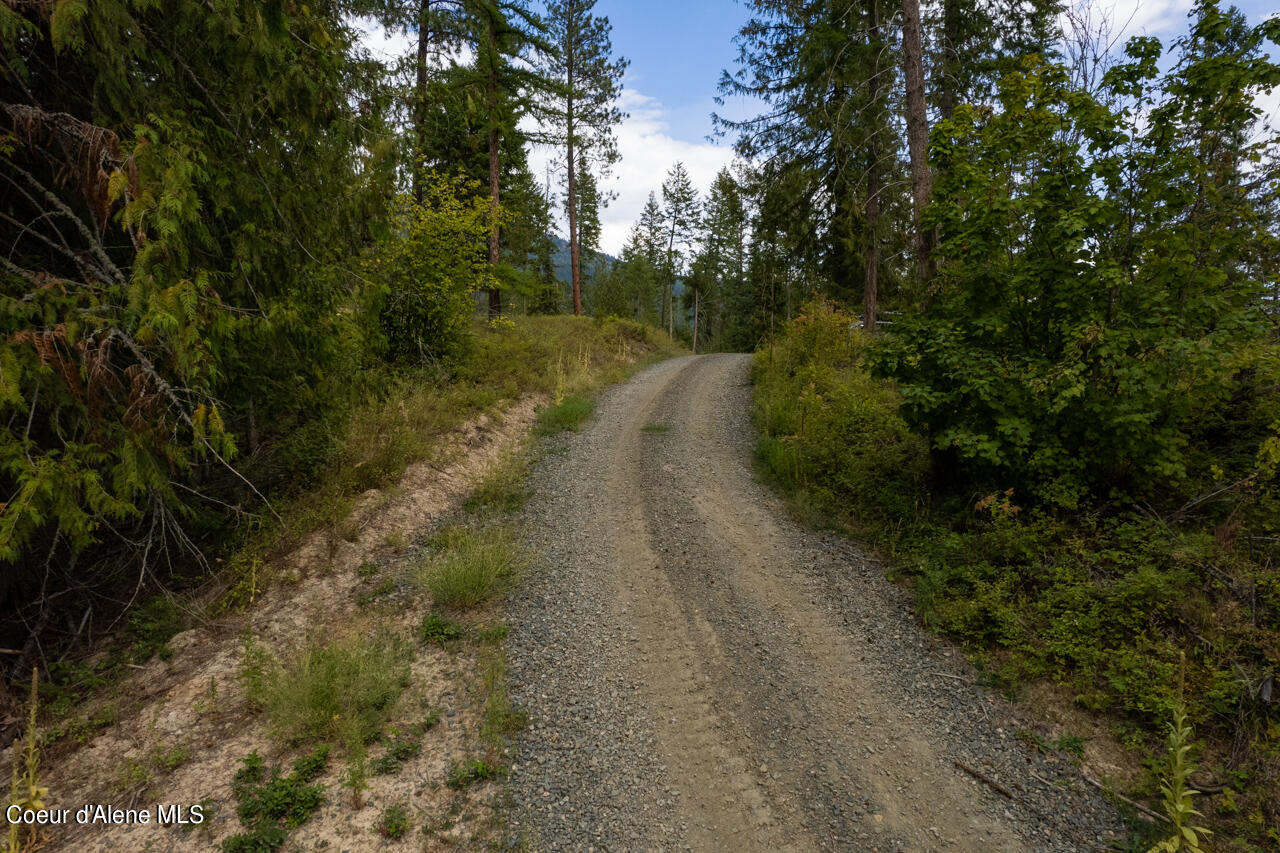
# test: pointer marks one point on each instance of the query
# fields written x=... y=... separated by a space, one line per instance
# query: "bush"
x=430 y=269
x=1105 y=602
x=829 y=427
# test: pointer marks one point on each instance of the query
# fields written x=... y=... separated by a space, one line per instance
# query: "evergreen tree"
x=180 y=194
x=584 y=111
x=680 y=220
x=507 y=39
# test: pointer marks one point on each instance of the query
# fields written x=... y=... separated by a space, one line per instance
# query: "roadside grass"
x=341 y=692
x=502 y=719
x=566 y=416
x=474 y=565
x=502 y=490
x=409 y=414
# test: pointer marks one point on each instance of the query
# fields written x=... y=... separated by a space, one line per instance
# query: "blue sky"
x=677 y=50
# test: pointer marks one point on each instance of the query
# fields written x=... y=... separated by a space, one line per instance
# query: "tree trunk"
x=420 y=98
x=571 y=200
x=695 y=321
x=950 y=57
x=917 y=133
x=871 y=255
x=495 y=244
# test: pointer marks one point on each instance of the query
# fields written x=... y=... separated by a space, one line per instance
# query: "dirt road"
x=704 y=673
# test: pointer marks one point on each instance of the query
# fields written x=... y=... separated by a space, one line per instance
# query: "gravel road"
x=703 y=673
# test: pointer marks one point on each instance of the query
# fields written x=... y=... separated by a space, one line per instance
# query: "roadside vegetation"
x=1137 y=607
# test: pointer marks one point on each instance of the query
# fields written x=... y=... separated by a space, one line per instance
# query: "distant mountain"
x=561 y=261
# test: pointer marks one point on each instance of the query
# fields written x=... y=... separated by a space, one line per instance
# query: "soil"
x=194 y=702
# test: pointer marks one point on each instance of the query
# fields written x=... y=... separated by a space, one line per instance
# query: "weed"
x=356 y=779
x=394 y=822
x=462 y=774
x=568 y=415
x=338 y=692
x=25 y=790
x=367 y=569
x=269 y=805
x=658 y=428
x=171 y=759
x=1177 y=793
x=440 y=629
x=480 y=564
x=501 y=718
x=134 y=774
x=382 y=590
x=493 y=633
x=398 y=752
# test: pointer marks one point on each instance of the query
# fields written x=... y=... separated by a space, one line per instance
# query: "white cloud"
x=1139 y=17
x=647 y=151
x=385 y=45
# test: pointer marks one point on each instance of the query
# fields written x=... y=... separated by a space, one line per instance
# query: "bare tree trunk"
x=871 y=255
x=495 y=244
x=917 y=133
x=695 y=321
x=950 y=57
x=420 y=98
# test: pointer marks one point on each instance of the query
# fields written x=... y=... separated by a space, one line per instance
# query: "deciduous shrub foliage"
x=1103 y=256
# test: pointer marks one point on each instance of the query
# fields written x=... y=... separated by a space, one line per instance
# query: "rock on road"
x=704 y=673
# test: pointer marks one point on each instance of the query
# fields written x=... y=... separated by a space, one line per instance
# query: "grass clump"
x=341 y=692
x=270 y=804
x=566 y=416
x=474 y=565
x=655 y=428
x=394 y=822
x=502 y=490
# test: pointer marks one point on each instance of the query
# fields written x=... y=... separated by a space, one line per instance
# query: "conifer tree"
x=680 y=220
x=584 y=107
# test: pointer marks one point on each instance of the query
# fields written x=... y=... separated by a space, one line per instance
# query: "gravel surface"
x=704 y=673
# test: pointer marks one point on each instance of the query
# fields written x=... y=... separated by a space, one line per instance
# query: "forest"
x=1012 y=283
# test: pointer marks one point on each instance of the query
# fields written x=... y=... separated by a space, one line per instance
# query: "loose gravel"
x=704 y=673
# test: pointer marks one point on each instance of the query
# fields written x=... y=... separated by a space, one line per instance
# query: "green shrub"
x=462 y=774
x=152 y=625
x=269 y=804
x=431 y=268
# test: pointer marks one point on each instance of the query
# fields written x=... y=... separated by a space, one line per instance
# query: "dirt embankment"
x=187 y=726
